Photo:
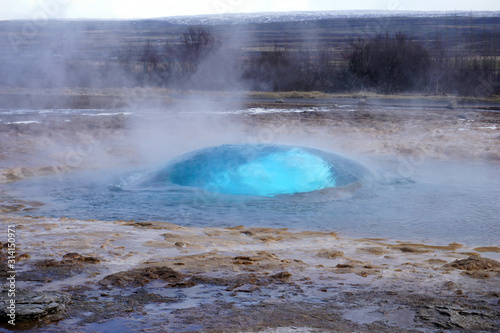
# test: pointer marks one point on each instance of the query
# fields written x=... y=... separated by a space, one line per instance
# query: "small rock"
x=474 y=263
x=477 y=275
x=141 y=276
x=449 y=285
x=187 y=284
x=413 y=249
x=143 y=224
x=91 y=260
x=437 y=261
x=281 y=275
x=246 y=288
x=242 y=262
x=69 y=259
x=24 y=256
x=4 y=268
x=31 y=305
x=72 y=256
x=330 y=254
x=269 y=239
x=243 y=258
x=376 y=250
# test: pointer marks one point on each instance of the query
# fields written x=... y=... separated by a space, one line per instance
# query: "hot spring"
x=285 y=187
x=373 y=194
x=259 y=170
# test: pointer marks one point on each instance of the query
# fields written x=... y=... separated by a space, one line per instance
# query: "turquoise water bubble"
x=259 y=170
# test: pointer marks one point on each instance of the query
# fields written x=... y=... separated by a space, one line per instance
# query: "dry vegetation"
x=447 y=55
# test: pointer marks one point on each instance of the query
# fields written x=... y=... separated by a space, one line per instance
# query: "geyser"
x=259 y=170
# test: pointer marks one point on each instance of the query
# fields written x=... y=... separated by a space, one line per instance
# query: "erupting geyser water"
x=259 y=170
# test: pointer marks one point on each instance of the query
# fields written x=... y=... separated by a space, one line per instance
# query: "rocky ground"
x=158 y=276
x=86 y=275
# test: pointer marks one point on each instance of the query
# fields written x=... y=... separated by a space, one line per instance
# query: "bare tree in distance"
x=390 y=64
x=198 y=42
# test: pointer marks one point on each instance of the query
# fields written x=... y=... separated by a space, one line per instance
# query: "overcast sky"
x=29 y=9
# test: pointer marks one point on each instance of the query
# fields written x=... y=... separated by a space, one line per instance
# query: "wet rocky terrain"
x=156 y=276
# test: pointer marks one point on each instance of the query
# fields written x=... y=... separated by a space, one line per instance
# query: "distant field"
x=143 y=52
x=95 y=39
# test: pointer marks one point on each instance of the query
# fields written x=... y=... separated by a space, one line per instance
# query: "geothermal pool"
x=435 y=202
x=258 y=170
x=385 y=196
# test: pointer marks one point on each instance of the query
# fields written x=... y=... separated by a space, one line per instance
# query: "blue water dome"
x=259 y=170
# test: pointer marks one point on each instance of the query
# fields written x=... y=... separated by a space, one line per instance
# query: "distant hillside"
x=245 y=18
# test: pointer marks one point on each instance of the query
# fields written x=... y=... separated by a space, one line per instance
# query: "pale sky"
x=120 y=9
